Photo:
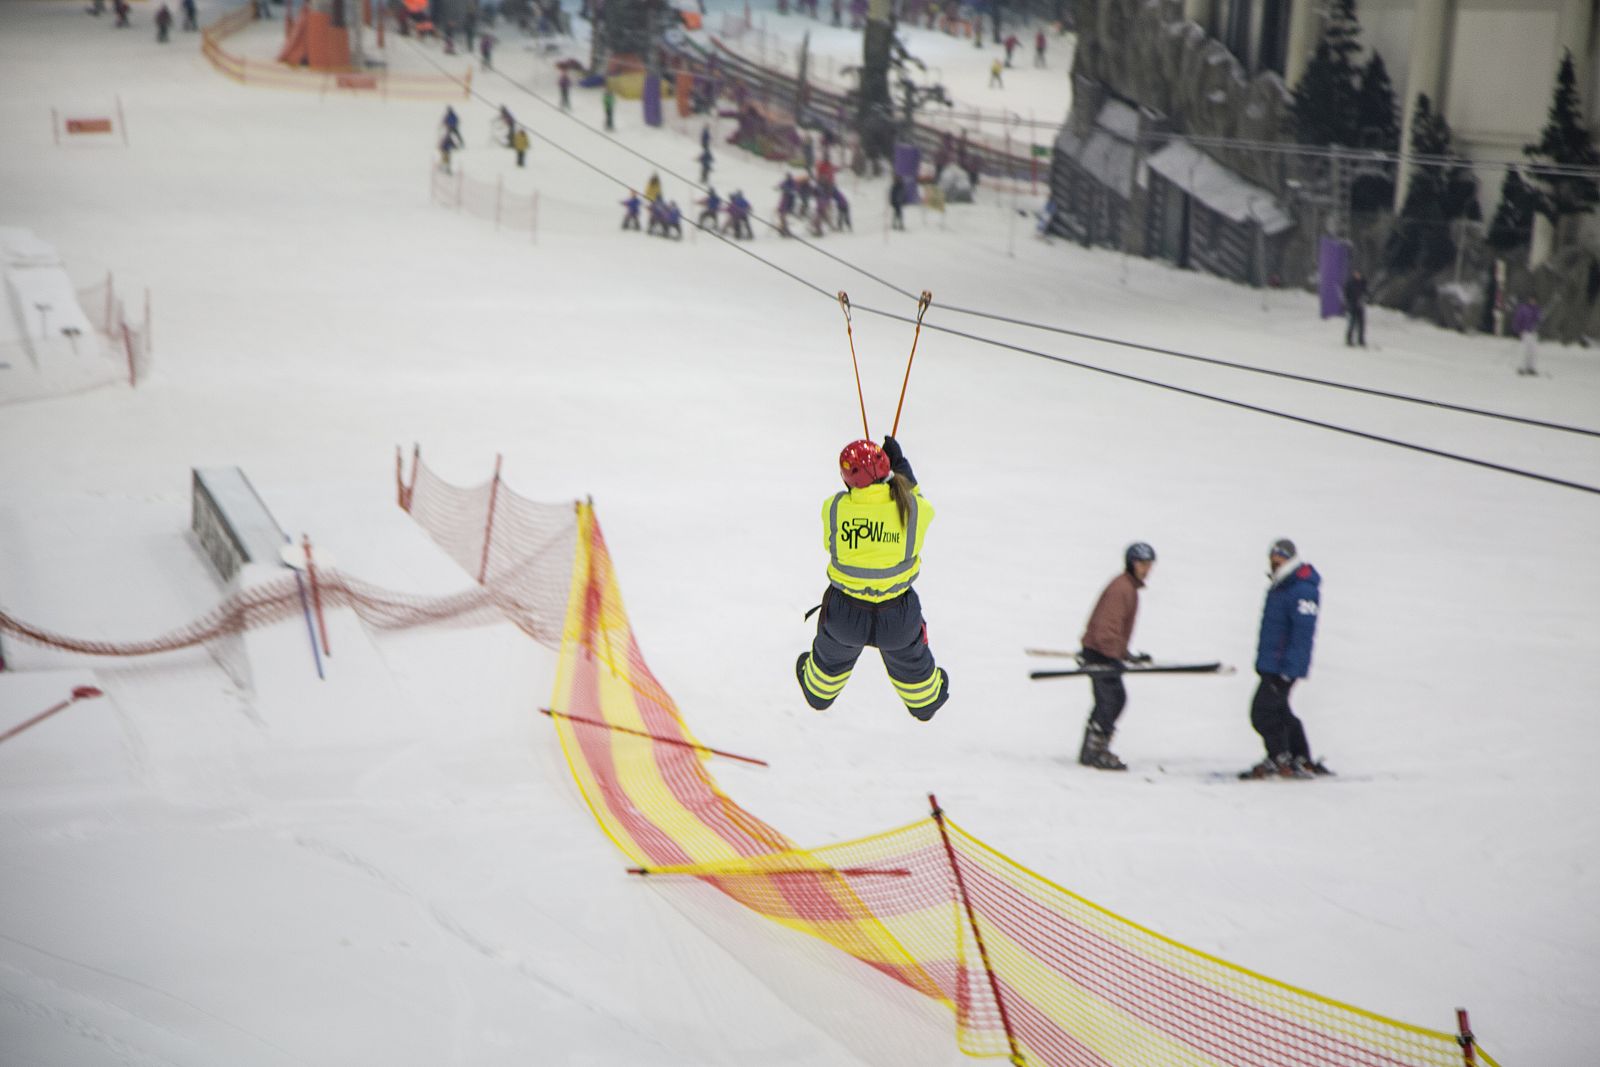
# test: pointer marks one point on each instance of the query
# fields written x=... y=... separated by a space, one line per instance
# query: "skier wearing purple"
x=739 y=216
x=841 y=208
x=712 y=204
x=1283 y=656
x=630 y=221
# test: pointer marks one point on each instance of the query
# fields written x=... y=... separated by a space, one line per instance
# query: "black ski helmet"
x=1137 y=552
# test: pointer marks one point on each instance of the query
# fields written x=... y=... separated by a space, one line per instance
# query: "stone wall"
x=1146 y=51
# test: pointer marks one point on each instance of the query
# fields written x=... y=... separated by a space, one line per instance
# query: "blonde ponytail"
x=900 y=487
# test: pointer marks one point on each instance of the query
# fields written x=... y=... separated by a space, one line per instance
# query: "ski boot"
x=1096 y=751
x=1282 y=765
x=1315 y=767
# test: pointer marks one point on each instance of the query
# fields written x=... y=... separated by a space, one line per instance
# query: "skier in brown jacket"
x=1105 y=644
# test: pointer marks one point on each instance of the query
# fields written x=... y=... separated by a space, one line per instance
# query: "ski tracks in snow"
x=456 y=931
x=71 y=1009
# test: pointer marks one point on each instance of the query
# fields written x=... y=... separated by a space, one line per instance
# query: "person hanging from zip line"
x=873 y=531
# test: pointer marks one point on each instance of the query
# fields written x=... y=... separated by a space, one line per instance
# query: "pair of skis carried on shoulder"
x=1081 y=668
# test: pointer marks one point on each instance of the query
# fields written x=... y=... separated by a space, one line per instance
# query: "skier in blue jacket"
x=1283 y=656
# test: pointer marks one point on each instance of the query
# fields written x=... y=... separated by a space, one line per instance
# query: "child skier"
x=712 y=204
x=739 y=216
x=630 y=221
x=874 y=531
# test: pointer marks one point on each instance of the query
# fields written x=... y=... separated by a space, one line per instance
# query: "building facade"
x=1488 y=65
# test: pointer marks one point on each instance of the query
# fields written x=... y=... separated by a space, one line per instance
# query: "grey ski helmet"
x=1282 y=547
x=1137 y=552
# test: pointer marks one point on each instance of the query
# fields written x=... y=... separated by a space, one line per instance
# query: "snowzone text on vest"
x=857 y=530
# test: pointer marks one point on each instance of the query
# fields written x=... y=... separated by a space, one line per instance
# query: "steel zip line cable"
x=1548 y=479
x=1012 y=320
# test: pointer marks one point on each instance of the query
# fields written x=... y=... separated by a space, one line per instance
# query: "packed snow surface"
x=392 y=866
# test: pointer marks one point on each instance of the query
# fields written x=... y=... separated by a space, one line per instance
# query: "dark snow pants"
x=1355 y=330
x=1280 y=729
x=895 y=627
x=1110 y=697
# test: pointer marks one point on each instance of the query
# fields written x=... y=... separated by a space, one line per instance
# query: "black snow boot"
x=1096 y=751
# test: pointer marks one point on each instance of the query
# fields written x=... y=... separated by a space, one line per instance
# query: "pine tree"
x=1319 y=101
x=1377 y=115
x=1513 y=219
x=1565 y=142
x=1379 y=127
x=1325 y=100
x=1442 y=190
x=1340 y=30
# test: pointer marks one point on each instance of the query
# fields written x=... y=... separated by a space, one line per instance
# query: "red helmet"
x=861 y=463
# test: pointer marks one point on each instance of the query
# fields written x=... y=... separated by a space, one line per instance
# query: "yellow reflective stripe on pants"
x=917 y=694
x=826 y=686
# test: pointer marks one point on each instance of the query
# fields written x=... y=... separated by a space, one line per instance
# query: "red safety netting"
x=519 y=548
x=282 y=597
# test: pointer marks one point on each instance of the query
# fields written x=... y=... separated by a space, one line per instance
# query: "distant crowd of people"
x=122 y=11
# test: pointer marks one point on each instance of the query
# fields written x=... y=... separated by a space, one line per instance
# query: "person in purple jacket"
x=630 y=221
x=1283 y=657
x=1525 y=324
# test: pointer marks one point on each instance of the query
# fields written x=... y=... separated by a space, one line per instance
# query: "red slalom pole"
x=922 y=309
x=82 y=692
x=844 y=305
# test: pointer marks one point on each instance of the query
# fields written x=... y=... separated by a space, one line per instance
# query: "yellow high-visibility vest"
x=870 y=555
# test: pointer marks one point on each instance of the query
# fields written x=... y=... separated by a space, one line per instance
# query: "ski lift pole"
x=844 y=305
x=922 y=309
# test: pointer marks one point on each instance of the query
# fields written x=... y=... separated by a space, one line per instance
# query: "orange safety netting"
x=1030 y=970
x=388 y=84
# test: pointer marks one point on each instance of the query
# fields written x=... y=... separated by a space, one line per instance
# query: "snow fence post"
x=127 y=348
x=488 y=523
x=316 y=594
x=305 y=609
x=977 y=935
x=400 y=479
x=82 y=692
x=1464 y=1038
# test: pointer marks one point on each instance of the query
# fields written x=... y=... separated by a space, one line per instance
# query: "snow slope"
x=393 y=867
